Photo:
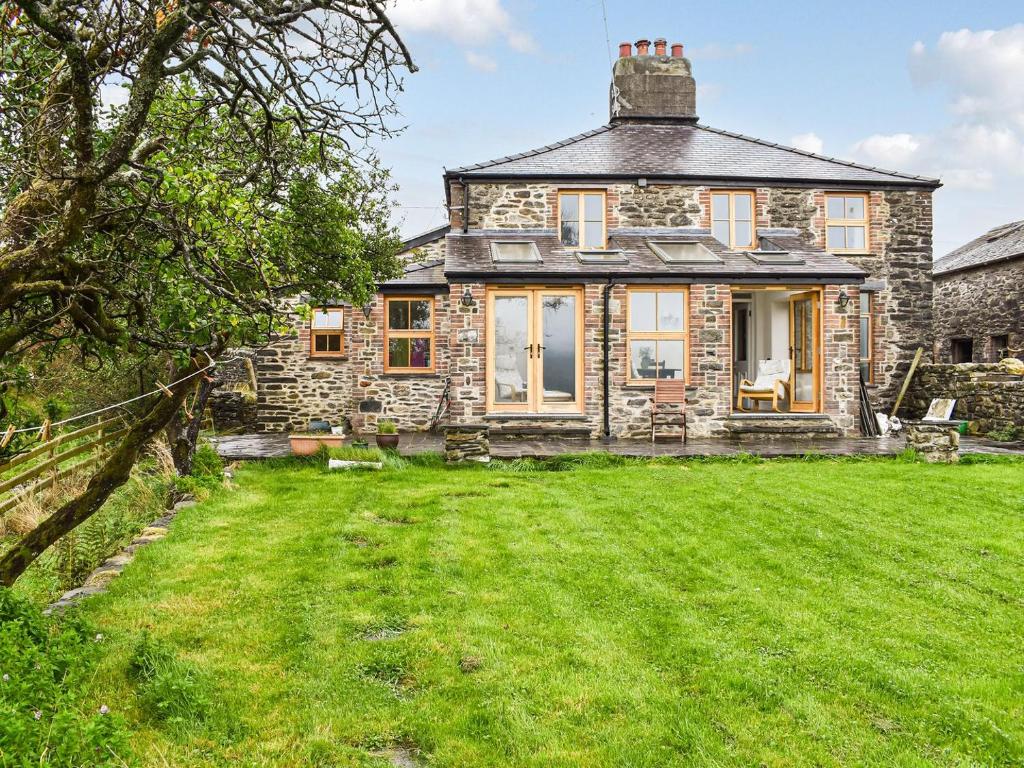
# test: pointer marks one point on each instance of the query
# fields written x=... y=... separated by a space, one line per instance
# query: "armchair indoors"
x=772 y=383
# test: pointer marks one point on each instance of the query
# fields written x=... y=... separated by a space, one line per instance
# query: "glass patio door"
x=805 y=361
x=534 y=350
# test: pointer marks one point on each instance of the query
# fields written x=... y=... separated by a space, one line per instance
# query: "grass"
x=613 y=613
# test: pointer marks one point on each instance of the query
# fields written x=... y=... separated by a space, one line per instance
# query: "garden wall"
x=987 y=394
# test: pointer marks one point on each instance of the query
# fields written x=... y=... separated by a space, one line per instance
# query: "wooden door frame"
x=535 y=367
x=817 y=305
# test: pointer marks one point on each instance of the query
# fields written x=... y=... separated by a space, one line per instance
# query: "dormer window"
x=581 y=219
x=732 y=219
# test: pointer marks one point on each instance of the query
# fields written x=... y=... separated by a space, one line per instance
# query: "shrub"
x=45 y=717
x=387 y=427
x=1007 y=434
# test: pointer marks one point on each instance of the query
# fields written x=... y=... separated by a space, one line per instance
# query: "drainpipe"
x=465 y=205
x=606 y=299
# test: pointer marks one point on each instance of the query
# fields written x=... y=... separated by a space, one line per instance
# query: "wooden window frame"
x=410 y=333
x=865 y=222
x=631 y=335
x=733 y=193
x=870 y=359
x=604 y=218
x=314 y=333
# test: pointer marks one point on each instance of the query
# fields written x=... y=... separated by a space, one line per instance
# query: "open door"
x=804 y=345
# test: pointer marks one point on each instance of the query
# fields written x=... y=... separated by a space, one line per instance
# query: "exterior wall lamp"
x=843 y=301
x=367 y=309
x=467 y=298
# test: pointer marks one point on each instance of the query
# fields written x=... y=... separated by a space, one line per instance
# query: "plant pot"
x=307 y=445
x=387 y=441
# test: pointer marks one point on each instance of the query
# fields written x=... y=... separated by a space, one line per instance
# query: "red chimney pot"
x=677 y=50
x=659 y=46
x=625 y=49
x=642 y=46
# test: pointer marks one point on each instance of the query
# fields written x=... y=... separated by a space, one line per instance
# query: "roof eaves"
x=939 y=269
x=425 y=237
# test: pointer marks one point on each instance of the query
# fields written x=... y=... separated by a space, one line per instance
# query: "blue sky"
x=925 y=87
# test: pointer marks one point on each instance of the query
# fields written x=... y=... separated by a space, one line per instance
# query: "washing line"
x=125 y=402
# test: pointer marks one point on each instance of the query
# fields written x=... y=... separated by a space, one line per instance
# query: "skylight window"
x=683 y=252
x=774 y=257
x=514 y=252
x=602 y=257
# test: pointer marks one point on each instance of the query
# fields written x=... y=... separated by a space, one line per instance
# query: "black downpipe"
x=606 y=344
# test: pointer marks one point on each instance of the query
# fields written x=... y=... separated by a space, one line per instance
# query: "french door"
x=535 y=350
x=804 y=342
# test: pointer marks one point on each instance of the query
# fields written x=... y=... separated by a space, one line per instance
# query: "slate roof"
x=470 y=255
x=425 y=237
x=678 y=151
x=999 y=244
x=419 y=275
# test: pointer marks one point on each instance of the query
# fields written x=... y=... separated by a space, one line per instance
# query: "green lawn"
x=725 y=613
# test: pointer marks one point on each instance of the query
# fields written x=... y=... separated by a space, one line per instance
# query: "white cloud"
x=808 y=142
x=982 y=72
x=481 y=61
x=897 y=150
x=465 y=22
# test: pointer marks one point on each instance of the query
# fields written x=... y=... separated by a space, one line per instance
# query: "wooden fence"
x=48 y=463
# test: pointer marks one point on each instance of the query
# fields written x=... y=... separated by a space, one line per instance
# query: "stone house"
x=571 y=277
x=979 y=298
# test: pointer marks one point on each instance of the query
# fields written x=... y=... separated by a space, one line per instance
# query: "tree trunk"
x=183 y=435
x=111 y=476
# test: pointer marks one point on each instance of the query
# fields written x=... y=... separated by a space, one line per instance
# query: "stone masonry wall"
x=295 y=388
x=987 y=395
x=979 y=304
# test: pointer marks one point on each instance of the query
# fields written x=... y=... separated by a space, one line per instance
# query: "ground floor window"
x=327 y=332
x=962 y=350
x=999 y=347
x=656 y=329
x=867 y=343
x=409 y=336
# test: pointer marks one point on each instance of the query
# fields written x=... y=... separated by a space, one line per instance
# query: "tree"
x=175 y=222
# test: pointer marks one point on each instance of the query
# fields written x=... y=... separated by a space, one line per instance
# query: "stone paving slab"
x=265 y=446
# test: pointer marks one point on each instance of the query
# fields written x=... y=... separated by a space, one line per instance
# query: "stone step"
x=511 y=431
x=753 y=427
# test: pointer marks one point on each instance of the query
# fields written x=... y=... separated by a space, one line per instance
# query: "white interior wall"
x=771 y=324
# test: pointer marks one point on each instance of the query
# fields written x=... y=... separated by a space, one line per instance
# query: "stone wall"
x=980 y=304
x=987 y=395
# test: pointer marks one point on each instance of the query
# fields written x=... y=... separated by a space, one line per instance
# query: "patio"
x=275 y=445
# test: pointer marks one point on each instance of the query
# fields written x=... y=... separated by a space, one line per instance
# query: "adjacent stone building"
x=979 y=298
x=571 y=278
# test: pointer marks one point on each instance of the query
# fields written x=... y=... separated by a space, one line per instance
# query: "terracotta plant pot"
x=387 y=441
x=307 y=445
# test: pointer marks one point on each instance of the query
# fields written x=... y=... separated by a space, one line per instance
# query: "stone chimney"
x=653 y=87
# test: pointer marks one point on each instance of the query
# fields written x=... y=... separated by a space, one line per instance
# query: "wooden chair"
x=770 y=384
x=668 y=392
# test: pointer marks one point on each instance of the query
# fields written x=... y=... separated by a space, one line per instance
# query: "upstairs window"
x=327 y=332
x=732 y=219
x=846 y=224
x=581 y=220
x=409 y=337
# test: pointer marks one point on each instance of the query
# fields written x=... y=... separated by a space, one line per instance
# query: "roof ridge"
x=532 y=152
x=827 y=158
